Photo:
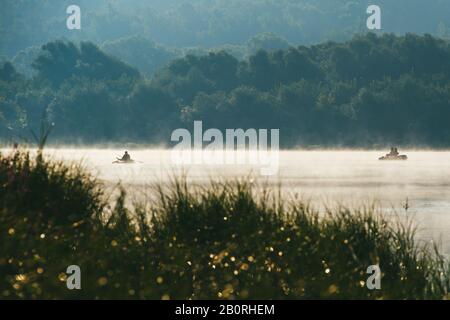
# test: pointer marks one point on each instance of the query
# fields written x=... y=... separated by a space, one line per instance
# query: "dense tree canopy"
x=61 y=61
x=372 y=90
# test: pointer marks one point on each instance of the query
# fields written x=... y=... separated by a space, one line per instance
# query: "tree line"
x=368 y=91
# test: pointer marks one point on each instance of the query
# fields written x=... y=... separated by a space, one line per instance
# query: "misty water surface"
x=353 y=178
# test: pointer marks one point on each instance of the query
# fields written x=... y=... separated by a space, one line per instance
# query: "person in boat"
x=125 y=157
x=394 y=155
x=394 y=152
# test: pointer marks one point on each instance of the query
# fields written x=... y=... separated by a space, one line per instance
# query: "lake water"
x=324 y=177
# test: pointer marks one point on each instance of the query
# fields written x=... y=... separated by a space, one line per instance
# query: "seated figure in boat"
x=394 y=152
x=125 y=157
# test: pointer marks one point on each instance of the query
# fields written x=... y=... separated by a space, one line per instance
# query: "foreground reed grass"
x=226 y=241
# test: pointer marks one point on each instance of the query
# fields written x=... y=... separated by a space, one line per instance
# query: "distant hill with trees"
x=171 y=28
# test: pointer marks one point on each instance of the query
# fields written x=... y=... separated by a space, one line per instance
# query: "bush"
x=48 y=192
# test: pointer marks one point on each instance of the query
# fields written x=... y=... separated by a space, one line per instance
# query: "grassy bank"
x=229 y=240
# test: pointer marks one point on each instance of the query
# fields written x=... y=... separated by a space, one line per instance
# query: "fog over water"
x=324 y=177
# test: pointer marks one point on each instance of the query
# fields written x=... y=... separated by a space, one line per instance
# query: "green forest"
x=372 y=90
x=212 y=23
x=149 y=34
x=138 y=70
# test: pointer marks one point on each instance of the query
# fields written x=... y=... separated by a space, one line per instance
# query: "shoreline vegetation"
x=224 y=241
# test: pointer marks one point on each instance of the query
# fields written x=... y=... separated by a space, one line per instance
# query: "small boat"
x=394 y=155
x=399 y=157
x=118 y=161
